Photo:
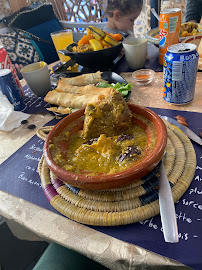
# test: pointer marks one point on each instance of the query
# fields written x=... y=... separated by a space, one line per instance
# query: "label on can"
x=173 y=24
x=10 y=89
x=169 y=30
x=5 y=63
x=180 y=69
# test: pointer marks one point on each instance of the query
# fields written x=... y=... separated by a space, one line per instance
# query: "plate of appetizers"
x=75 y=92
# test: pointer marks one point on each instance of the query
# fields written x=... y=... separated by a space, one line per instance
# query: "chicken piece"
x=110 y=116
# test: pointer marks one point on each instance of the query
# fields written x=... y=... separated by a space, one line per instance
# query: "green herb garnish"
x=123 y=88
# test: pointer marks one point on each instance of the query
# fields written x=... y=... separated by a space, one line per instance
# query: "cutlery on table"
x=167 y=208
x=184 y=129
x=166 y=203
x=155 y=14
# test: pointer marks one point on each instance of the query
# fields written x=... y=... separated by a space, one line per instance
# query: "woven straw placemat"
x=129 y=204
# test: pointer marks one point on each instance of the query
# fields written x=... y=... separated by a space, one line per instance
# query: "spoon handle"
x=155 y=14
x=167 y=208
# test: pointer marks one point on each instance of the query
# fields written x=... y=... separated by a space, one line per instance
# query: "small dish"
x=152 y=36
x=143 y=76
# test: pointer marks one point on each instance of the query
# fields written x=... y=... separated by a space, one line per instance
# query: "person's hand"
x=18 y=67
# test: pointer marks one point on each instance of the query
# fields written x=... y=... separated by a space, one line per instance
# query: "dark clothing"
x=154 y=4
x=57 y=257
x=193 y=10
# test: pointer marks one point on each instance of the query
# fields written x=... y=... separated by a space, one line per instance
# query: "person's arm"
x=193 y=10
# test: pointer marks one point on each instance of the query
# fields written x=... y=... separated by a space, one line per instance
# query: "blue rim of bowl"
x=150 y=36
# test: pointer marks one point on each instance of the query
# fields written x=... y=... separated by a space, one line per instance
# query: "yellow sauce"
x=70 y=151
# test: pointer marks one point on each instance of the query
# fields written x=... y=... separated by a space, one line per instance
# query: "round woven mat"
x=135 y=202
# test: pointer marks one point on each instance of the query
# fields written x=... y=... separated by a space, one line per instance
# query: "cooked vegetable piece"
x=85 y=39
x=94 y=35
x=95 y=44
x=97 y=33
x=109 y=41
x=117 y=37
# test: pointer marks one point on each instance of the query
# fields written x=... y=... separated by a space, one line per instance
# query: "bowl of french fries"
x=96 y=48
x=188 y=29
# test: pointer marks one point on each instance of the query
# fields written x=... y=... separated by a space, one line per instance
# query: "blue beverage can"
x=10 y=89
x=179 y=73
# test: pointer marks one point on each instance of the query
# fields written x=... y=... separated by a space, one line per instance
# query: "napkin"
x=9 y=118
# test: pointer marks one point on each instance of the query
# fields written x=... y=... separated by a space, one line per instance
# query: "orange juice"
x=61 y=40
x=169 y=30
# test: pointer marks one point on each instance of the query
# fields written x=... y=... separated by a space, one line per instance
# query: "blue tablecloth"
x=19 y=177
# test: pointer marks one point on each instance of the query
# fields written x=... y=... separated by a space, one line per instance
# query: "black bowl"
x=101 y=58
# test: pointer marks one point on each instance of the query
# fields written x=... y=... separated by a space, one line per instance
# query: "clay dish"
x=104 y=181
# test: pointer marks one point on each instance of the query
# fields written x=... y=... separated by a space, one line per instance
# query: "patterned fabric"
x=142 y=23
x=174 y=4
x=19 y=48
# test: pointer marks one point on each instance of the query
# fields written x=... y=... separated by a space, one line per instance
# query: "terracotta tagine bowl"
x=108 y=181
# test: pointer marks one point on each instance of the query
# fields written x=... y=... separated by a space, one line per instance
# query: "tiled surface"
x=18 y=254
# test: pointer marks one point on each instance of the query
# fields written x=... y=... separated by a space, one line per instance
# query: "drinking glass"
x=61 y=40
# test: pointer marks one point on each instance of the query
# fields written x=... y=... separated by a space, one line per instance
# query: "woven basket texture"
x=129 y=204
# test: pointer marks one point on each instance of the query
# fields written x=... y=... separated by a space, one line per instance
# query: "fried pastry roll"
x=87 y=89
x=89 y=78
x=70 y=100
x=59 y=109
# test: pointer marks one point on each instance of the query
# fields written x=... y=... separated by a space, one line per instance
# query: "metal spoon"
x=167 y=208
x=155 y=14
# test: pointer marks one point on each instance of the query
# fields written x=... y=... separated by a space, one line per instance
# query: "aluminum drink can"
x=179 y=72
x=10 y=89
x=5 y=63
x=169 y=30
